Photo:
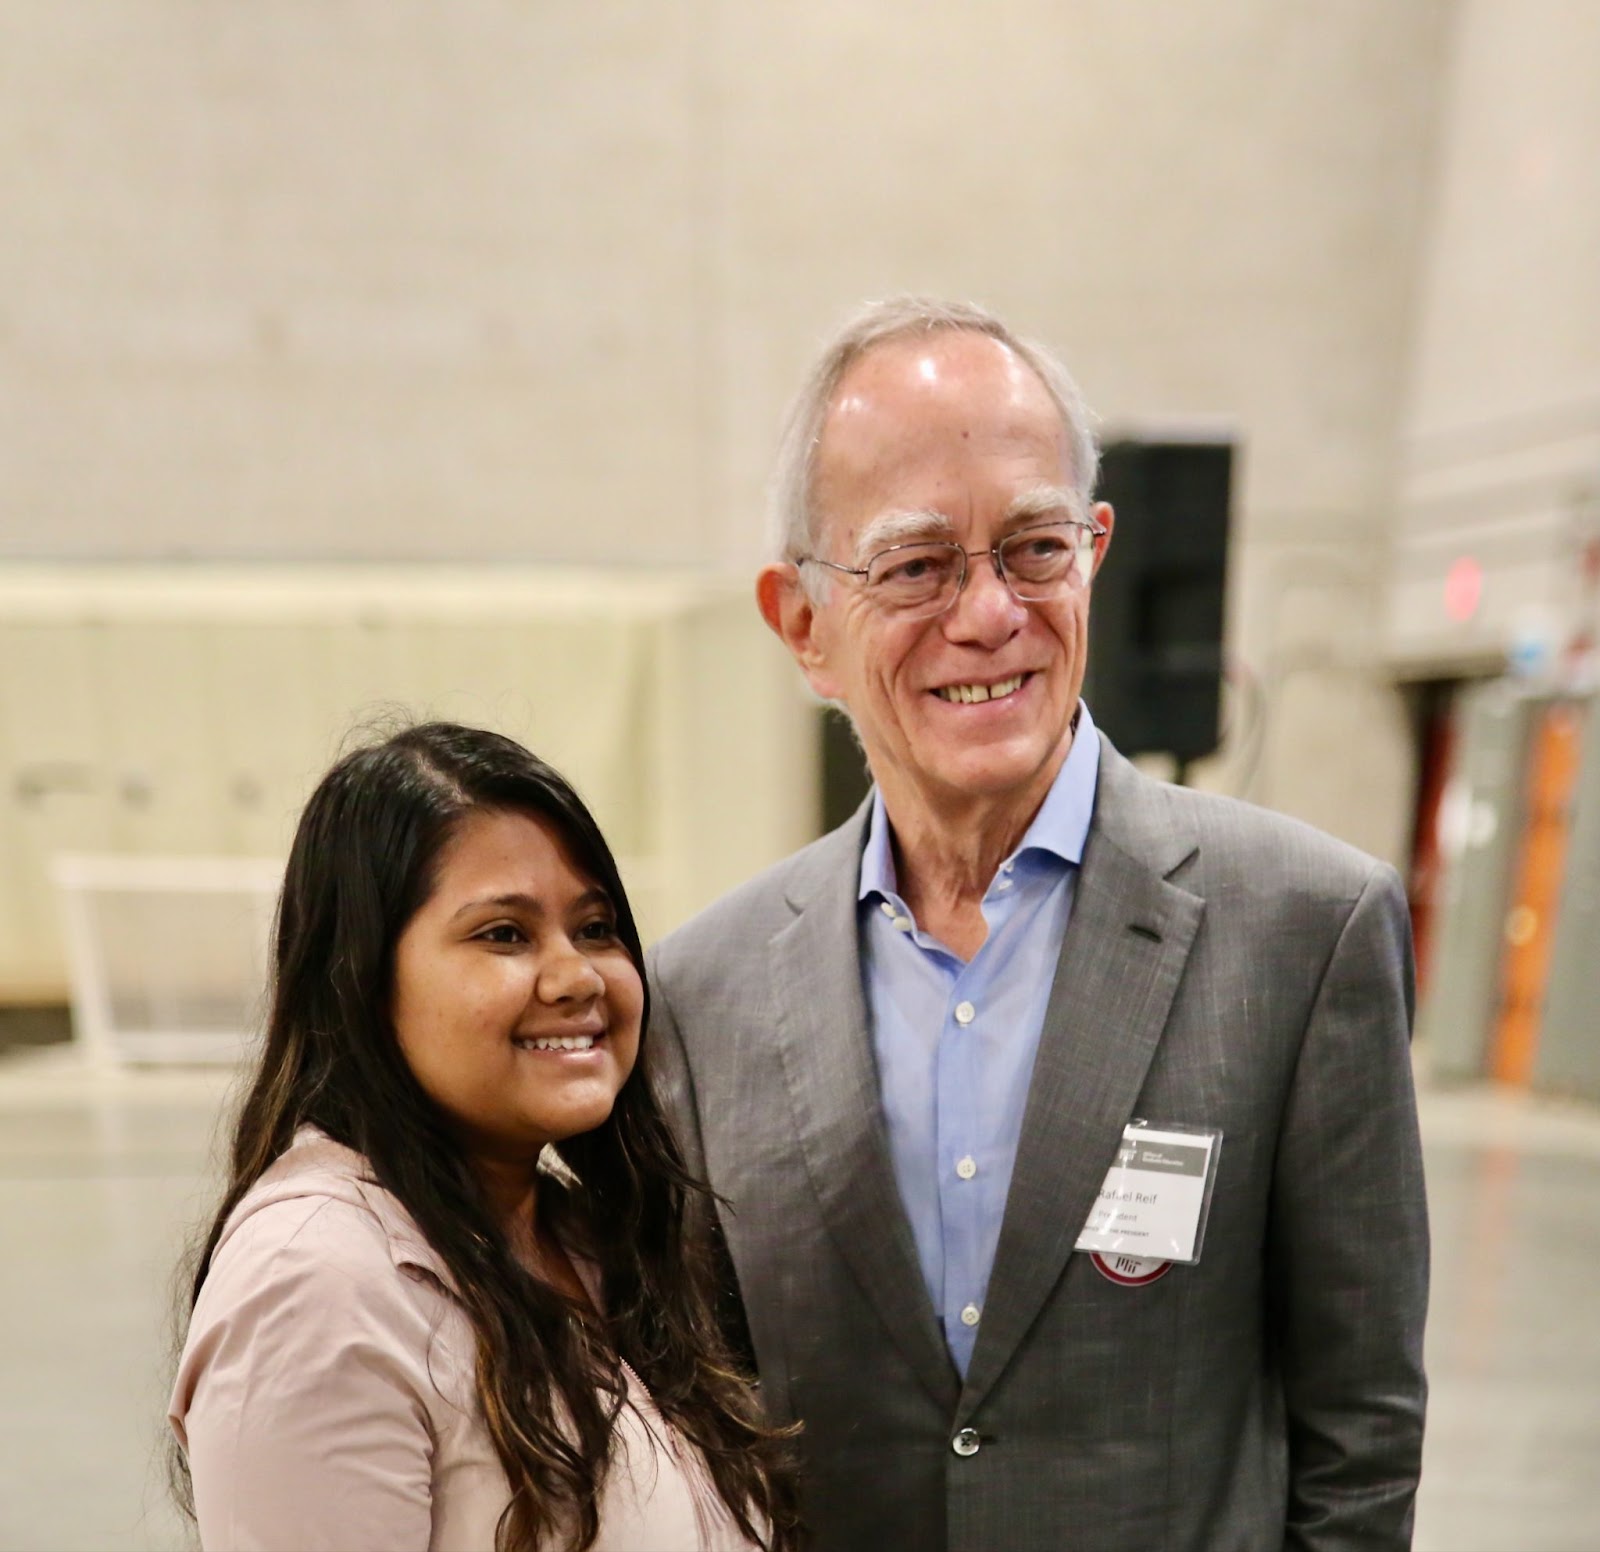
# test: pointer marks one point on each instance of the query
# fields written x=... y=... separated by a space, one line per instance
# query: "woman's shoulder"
x=314 y=1344
x=315 y=1268
x=317 y=1215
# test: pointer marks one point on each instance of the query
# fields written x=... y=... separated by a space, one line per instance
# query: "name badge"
x=1156 y=1197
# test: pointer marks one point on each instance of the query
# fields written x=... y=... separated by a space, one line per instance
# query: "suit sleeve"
x=667 y=1065
x=672 y=1082
x=1348 y=1247
x=297 y=1399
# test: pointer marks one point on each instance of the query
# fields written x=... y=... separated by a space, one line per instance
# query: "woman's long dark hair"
x=363 y=862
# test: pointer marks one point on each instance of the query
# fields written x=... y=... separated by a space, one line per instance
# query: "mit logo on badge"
x=1130 y=1271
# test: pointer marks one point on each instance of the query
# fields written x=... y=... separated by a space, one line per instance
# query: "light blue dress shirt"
x=955 y=1042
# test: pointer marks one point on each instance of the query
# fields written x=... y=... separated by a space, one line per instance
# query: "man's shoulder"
x=749 y=915
x=1260 y=838
x=1228 y=841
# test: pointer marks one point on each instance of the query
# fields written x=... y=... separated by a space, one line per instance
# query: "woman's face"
x=515 y=1003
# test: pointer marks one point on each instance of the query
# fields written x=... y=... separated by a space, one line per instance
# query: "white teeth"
x=558 y=1043
x=971 y=694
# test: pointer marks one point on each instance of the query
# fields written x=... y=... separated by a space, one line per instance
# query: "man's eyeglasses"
x=924 y=578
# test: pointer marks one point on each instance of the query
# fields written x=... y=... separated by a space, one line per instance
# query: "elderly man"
x=1063 y=1118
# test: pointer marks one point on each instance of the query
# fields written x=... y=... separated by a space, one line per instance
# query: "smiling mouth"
x=557 y=1043
x=972 y=694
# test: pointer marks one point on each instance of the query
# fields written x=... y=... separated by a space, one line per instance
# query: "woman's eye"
x=501 y=932
x=601 y=930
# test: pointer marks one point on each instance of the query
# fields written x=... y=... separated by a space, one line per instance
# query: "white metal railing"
x=166 y=956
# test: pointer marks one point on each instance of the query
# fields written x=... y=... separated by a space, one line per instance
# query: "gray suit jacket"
x=1223 y=967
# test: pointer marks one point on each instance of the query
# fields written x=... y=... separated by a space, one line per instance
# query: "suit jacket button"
x=966 y=1442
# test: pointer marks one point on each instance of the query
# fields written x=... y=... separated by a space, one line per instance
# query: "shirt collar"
x=1060 y=828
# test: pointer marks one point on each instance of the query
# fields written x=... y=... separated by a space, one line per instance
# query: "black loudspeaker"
x=1155 y=620
x=845 y=777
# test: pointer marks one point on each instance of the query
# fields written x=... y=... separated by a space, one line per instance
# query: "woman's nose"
x=567 y=975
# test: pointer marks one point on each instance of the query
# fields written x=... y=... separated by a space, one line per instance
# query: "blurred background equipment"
x=1568 y=1054
x=1511 y=941
x=1477 y=823
x=845 y=777
x=1156 y=627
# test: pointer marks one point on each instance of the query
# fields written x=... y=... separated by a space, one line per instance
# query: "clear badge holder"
x=1156 y=1198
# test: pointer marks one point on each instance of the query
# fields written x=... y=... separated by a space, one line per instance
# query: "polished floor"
x=103 y=1174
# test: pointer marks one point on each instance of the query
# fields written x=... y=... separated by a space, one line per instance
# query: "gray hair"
x=792 y=523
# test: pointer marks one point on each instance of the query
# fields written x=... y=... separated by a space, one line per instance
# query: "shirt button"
x=966 y=1442
x=970 y=1315
x=967 y=1167
x=1004 y=883
x=903 y=924
x=1006 y=867
x=965 y=1013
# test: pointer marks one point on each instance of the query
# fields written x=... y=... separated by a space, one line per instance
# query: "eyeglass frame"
x=1097 y=531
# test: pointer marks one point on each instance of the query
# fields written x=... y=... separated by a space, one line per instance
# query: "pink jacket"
x=326 y=1396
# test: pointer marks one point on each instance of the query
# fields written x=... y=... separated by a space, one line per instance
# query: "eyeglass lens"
x=1037 y=563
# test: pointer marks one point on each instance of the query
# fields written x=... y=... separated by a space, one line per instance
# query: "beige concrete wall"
x=352 y=278
x=1500 y=451
x=394 y=280
x=1509 y=316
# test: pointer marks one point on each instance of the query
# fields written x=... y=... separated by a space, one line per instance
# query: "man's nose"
x=985 y=611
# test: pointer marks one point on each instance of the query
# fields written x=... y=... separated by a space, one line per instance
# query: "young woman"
x=450 y=1299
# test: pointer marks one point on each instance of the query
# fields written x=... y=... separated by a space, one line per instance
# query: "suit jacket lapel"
x=1124 y=953
x=825 y=1047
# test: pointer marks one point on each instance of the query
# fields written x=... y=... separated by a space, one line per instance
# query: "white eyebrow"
x=1043 y=501
x=906 y=527
x=889 y=528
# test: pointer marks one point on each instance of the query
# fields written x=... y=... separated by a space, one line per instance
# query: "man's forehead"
x=903 y=401
x=913 y=418
x=926 y=371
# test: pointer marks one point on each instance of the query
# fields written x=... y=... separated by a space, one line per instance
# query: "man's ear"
x=1102 y=514
x=796 y=621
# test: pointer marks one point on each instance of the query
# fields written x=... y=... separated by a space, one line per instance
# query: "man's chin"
x=992 y=776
